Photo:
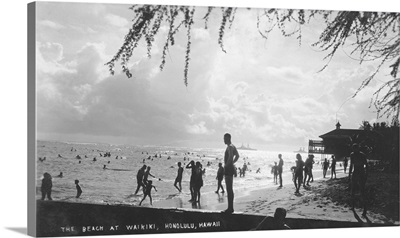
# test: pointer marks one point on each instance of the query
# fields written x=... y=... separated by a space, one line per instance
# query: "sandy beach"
x=324 y=199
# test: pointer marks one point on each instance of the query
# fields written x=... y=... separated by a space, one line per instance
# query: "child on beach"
x=220 y=177
x=147 y=191
x=274 y=171
x=47 y=184
x=178 y=179
x=78 y=189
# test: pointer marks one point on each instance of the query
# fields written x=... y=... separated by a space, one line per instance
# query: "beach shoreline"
x=313 y=202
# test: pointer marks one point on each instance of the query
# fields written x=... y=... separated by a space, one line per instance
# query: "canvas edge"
x=31 y=156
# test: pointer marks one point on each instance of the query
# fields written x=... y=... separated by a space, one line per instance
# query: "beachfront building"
x=337 y=142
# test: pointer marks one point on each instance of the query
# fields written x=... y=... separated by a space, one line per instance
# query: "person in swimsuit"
x=46 y=187
x=178 y=179
x=146 y=175
x=308 y=169
x=78 y=188
x=280 y=169
x=333 y=166
x=139 y=178
x=358 y=174
x=147 y=191
x=345 y=162
x=275 y=172
x=298 y=174
x=198 y=181
x=325 y=166
x=192 y=166
x=231 y=156
x=220 y=177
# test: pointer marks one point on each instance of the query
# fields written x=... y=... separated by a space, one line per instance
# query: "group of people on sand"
x=357 y=172
x=225 y=171
x=277 y=170
x=332 y=166
x=144 y=183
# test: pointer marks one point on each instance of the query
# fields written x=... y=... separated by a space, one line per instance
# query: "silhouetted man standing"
x=231 y=156
x=358 y=174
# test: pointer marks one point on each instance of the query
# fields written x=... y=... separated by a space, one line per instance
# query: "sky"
x=266 y=93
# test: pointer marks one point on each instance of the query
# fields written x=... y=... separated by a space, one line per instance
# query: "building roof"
x=342 y=133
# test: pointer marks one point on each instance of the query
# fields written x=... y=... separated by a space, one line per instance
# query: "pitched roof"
x=342 y=133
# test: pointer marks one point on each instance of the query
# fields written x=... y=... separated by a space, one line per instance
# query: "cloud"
x=50 y=24
x=116 y=20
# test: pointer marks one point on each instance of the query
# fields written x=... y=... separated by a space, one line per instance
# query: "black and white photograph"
x=163 y=118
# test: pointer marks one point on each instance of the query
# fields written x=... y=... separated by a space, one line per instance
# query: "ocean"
x=117 y=183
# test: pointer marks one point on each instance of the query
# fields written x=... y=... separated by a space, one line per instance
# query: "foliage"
x=372 y=36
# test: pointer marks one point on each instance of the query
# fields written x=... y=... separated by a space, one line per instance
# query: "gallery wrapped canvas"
x=148 y=119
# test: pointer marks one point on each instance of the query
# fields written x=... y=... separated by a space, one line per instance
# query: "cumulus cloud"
x=51 y=24
x=116 y=20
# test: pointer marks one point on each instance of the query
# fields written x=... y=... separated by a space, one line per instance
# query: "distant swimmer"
x=94 y=159
x=47 y=184
x=78 y=189
x=60 y=175
x=59 y=156
x=80 y=161
x=109 y=162
x=220 y=177
x=105 y=167
x=178 y=179
x=147 y=192
x=258 y=171
x=139 y=178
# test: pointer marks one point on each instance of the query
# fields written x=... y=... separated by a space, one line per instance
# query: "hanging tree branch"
x=373 y=36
